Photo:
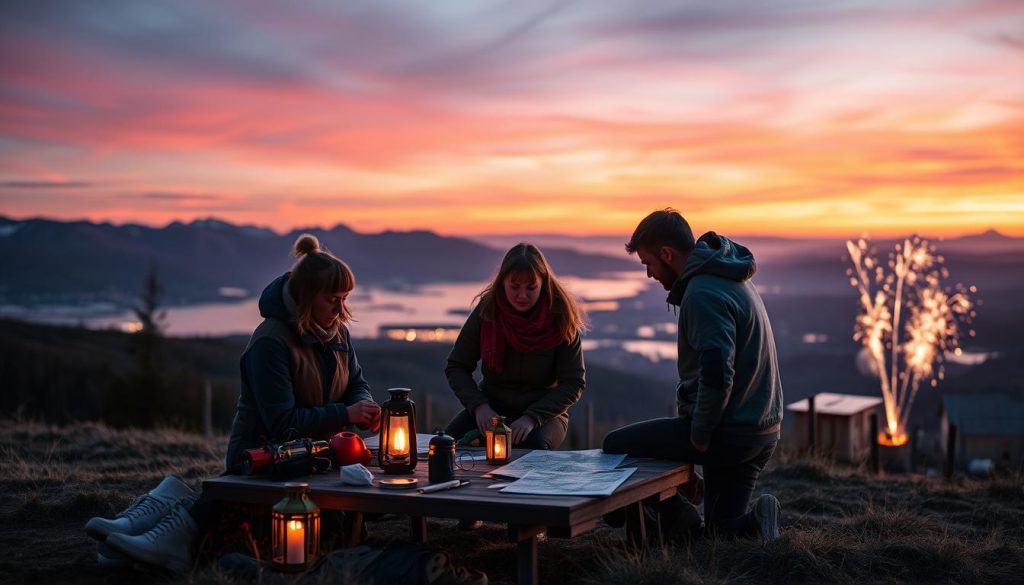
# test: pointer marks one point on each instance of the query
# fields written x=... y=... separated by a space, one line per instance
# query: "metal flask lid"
x=441 y=440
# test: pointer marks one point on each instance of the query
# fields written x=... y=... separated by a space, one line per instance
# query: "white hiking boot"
x=168 y=544
x=767 y=511
x=144 y=513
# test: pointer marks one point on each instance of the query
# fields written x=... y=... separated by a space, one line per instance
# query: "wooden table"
x=526 y=515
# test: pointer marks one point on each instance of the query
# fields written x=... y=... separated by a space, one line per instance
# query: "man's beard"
x=667 y=273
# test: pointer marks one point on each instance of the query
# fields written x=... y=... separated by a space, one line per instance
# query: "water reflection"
x=413 y=313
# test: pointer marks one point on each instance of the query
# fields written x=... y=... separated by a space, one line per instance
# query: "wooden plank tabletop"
x=474 y=501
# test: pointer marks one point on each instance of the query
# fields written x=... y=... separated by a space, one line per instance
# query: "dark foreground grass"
x=839 y=524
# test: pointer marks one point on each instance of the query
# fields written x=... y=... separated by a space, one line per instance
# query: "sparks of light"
x=908 y=321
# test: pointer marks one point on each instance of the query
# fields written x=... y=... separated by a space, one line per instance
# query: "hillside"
x=65 y=374
x=839 y=525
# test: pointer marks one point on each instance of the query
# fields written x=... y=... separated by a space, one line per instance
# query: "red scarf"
x=533 y=331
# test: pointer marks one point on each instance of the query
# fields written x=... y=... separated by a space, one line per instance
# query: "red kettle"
x=348 y=449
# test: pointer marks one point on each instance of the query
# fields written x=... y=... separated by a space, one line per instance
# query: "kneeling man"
x=729 y=394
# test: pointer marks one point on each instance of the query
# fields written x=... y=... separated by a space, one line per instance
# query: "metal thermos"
x=441 y=458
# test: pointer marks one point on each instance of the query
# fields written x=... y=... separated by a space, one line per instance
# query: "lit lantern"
x=397 y=452
x=295 y=523
x=499 y=442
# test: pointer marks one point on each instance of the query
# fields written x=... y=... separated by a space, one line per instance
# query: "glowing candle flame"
x=499 y=447
x=400 y=443
x=935 y=317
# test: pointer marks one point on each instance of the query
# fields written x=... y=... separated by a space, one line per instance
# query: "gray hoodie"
x=728 y=369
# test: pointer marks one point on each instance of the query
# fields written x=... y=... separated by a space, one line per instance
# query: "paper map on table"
x=555 y=483
x=560 y=461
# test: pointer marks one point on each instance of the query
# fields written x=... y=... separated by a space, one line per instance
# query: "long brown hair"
x=317 y=271
x=527 y=259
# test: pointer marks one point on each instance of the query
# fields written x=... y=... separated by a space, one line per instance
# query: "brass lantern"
x=397 y=450
x=295 y=523
x=499 y=442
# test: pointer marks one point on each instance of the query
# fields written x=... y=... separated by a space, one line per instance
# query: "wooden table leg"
x=353 y=528
x=525 y=537
x=418 y=527
x=636 y=535
x=526 y=550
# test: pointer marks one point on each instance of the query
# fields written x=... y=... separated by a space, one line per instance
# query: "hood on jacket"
x=715 y=255
x=272 y=303
x=277 y=303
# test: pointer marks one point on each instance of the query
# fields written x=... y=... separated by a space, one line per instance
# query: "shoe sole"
x=145 y=556
x=112 y=562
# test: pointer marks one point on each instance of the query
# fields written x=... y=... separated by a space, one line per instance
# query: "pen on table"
x=447 y=485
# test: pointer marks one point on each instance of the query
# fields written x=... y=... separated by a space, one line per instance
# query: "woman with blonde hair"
x=526 y=332
x=300 y=378
x=300 y=375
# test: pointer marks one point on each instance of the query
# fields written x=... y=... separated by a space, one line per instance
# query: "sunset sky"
x=468 y=117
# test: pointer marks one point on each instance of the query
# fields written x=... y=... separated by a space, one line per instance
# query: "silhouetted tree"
x=142 y=400
x=153 y=320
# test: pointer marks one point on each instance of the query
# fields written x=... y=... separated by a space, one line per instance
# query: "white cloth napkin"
x=356 y=474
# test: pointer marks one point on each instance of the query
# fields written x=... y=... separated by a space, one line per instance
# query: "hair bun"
x=306 y=244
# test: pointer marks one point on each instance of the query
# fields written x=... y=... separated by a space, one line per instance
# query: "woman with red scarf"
x=526 y=331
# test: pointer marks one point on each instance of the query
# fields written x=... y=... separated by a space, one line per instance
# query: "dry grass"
x=840 y=525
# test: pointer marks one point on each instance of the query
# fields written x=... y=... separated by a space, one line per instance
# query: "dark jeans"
x=730 y=471
x=547 y=436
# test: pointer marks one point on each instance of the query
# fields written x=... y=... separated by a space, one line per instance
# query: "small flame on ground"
x=898 y=440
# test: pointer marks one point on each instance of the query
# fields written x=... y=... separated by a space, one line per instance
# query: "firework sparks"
x=907 y=323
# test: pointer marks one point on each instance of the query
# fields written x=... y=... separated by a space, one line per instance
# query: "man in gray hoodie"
x=729 y=394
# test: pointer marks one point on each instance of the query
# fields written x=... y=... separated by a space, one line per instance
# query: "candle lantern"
x=295 y=523
x=499 y=442
x=397 y=451
x=441 y=458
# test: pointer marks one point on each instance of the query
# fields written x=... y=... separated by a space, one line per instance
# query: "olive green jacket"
x=541 y=385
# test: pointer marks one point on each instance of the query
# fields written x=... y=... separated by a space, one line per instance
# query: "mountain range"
x=47 y=261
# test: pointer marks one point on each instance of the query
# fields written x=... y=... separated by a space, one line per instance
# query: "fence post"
x=427 y=414
x=811 y=430
x=914 y=445
x=207 y=408
x=947 y=469
x=873 y=438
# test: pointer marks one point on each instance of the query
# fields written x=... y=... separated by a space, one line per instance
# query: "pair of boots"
x=682 y=523
x=156 y=529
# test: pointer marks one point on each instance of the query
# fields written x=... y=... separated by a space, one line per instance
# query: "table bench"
x=526 y=515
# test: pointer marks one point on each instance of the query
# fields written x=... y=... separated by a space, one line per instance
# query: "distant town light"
x=131 y=326
x=420 y=333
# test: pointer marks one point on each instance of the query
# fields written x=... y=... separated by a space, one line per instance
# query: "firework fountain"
x=908 y=322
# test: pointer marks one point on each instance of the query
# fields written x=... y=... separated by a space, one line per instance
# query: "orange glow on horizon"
x=582 y=126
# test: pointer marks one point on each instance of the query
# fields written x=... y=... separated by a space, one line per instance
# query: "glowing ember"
x=887 y=440
x=908 y=322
